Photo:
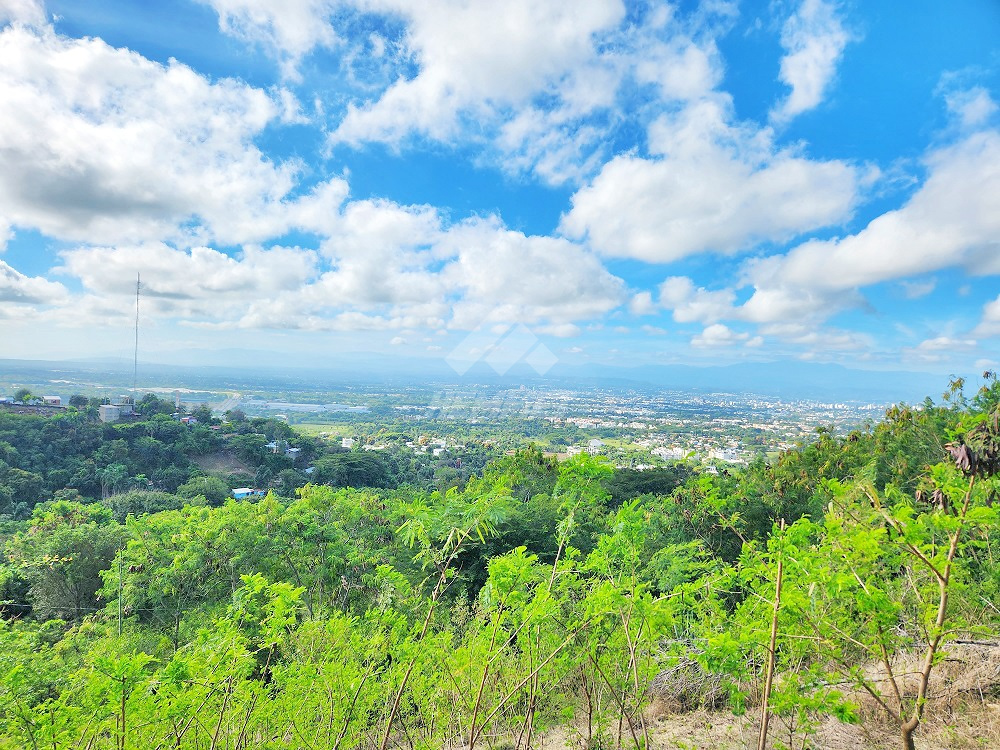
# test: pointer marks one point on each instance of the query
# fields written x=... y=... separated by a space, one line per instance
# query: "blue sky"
x=631 y=182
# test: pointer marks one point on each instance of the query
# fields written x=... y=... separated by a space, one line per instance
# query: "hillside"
x=534 y=604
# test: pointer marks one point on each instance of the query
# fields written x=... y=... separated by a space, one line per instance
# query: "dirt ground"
x=974 y=728
x=963 y=713
x=222 y=463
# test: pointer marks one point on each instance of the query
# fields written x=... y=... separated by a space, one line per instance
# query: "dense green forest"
x=72 y=455
x=370 y=606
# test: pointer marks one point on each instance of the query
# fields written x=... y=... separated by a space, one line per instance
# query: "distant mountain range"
x=235 y=369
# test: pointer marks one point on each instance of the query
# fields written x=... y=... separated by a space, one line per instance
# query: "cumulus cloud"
x=680 y=67
x=290 y=30
x=538 y=85
x=102 y=145
x=369 y=228
x=973 y=107
x=508 y=276
x=200 y=272
x=814 y=40
x=718 y=336
x=197 y=284
x=953 y=219
x=475 y=56
x=17 y=288
x=551 y=143
x=989 y=325
x=26 y=12
x=777 y=298
x=642 y=304
x=712 y=186
x=691 y=304
x=378 y=273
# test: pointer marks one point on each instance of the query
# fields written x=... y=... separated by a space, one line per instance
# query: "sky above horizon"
x=623 y=183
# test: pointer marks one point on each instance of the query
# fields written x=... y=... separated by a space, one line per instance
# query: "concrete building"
x=125 y=404
x=109 y=413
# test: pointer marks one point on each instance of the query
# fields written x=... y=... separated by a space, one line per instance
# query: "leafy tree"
x=113 y=478
x=62 y=554
x=140 y=502
x=288 y=481
x=24 y=490
x=203 y=414
x=626 y=484
x=214 y=490
x=355 y=469
x=151 y=404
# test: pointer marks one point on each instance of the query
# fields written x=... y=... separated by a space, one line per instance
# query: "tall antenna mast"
x=135 y=361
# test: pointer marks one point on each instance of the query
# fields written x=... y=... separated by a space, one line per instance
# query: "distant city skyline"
x=619 y=183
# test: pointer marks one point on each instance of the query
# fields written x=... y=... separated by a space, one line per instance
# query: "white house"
x=242 y=493
x=109 y=413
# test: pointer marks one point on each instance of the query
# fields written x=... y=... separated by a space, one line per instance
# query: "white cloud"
x=814 y=40
x=642 y=304
x=290 y=30
x=17 y=289
x=104 y=146
x=776 y=299
x=717 y=336
x=370 y=228
x=379 y=273
x=199 y=273
x=551 y=143
x=939 y=349
x=475 y=57
x=690 y=304
x=26 y=12
x=682 y=69
x=974 y=107
x=715 y=186
x=952 y=220
x=507 y=276
x=989 y=325
x=537 y=84
x=817 y=340
x=560 y=330
x=946 y=343
x=917 y=289
x=198 y=284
